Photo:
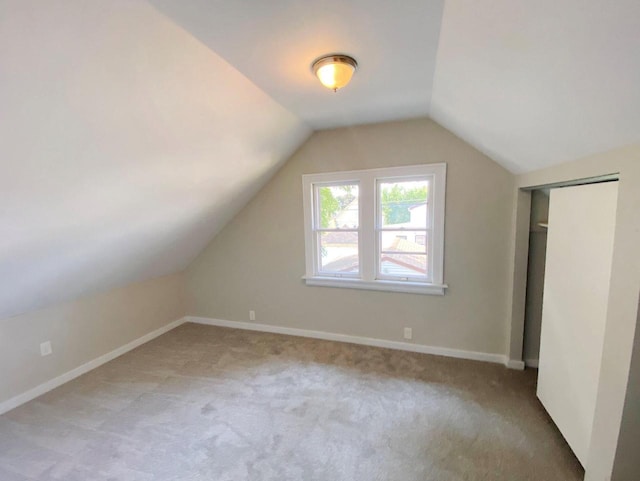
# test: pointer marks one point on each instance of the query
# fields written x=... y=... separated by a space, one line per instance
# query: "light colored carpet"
x=207 y=403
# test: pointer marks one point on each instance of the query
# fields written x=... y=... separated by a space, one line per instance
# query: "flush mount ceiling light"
x=334 y=71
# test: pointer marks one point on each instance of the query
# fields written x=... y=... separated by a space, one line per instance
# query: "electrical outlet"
x=408 y=333
x=252 y=315
x=45 y=348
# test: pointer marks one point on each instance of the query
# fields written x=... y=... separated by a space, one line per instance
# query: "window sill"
x=380 y=285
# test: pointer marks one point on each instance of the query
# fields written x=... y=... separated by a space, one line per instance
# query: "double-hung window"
x=380 y=229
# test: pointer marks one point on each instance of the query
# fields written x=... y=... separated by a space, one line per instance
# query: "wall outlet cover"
x=45 y=348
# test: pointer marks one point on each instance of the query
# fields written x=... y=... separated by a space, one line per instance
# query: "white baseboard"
x=515 y=364
x=43 y=388
x=533 y=363
x=366 y=341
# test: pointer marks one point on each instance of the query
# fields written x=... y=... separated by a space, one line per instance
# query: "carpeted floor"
x=207 y=403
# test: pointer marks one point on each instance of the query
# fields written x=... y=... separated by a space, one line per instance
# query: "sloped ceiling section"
x=537 y=83
x=126 y=145
x=275 y=43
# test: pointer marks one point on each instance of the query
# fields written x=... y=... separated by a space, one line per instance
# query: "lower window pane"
x=404 y=241
x=403 y=265
x=339 y=252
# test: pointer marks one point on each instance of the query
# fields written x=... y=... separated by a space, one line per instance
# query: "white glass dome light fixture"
x=334 y=71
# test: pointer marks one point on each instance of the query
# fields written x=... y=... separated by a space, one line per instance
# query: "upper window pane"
x=338 y=206
x=403 y=204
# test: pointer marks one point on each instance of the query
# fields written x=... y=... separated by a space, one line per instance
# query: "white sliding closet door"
x=576 y=294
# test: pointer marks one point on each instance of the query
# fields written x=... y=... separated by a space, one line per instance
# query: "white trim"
x=368 y=227
x=379 y=285
x=575 y=182
x=533 y=363
x=365 y=341
x=47 y=386
x=515 y=364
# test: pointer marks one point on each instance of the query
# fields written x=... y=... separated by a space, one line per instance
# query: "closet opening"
x=537 y=252
x=571 y=243
x=538 y=227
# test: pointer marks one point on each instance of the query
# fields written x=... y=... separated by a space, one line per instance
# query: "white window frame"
x=369 y=227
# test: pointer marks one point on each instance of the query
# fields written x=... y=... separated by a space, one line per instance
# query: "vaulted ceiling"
x=274 y=44
x=133 y=130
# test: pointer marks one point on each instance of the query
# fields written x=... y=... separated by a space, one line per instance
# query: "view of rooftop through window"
x=403 y=232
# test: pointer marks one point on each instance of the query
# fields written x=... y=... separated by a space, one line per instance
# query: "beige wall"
x=257 y=261
x=83 y=330
x=623 y=299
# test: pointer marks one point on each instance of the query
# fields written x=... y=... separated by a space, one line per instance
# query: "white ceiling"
x=133 y=130
x=126 y=145
x=537 y=83
x=530 y=83
x=274 y=44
